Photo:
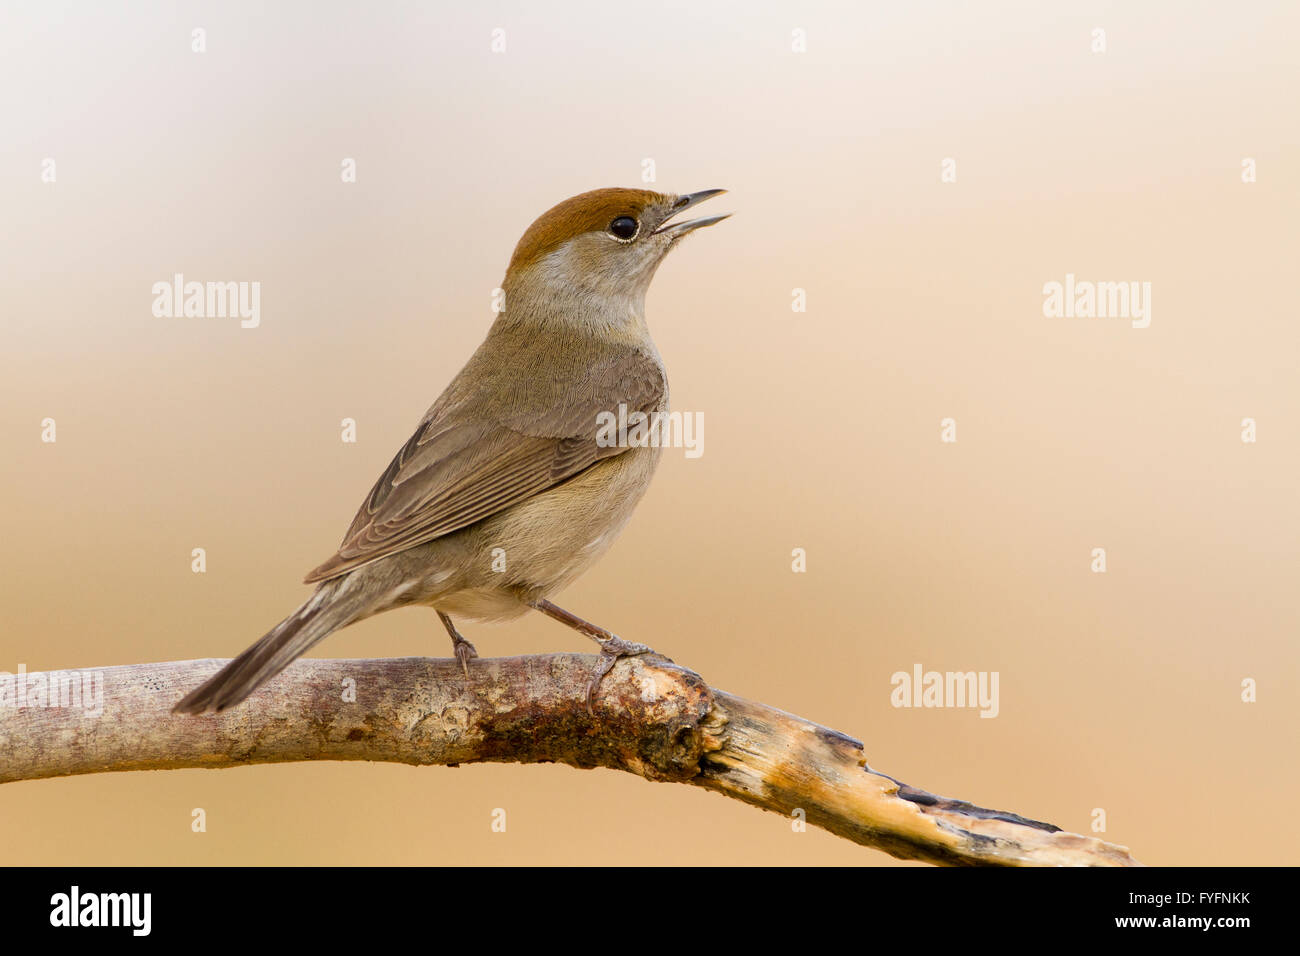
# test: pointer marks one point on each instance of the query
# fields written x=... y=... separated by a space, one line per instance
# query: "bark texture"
x=650 y=717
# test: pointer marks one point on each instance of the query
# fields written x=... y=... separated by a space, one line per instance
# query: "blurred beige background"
x=1118 y=691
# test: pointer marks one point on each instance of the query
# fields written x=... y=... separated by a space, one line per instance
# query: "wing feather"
x=467 y=461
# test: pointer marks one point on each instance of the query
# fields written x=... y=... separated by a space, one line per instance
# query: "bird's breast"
x=540 y=545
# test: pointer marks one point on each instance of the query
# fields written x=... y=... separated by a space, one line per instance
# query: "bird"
x=506 y=491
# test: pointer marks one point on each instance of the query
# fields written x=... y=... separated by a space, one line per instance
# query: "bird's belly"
x=540 y=545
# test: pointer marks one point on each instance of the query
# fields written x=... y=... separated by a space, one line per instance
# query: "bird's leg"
x=612 y=647
x=463 y=648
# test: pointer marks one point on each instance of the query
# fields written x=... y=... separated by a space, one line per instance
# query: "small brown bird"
x=508 y=457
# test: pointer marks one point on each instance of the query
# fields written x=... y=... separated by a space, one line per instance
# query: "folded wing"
x=474 y=456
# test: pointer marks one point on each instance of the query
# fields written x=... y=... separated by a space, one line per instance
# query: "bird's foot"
x=464 y=651
x=611 y=649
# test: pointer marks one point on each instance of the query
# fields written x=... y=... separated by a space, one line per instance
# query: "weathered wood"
x=650 y=718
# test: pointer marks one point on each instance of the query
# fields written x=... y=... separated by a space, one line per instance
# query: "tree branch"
x=650 y=718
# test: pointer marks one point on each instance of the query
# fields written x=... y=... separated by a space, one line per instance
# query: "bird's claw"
x=611 y=649
x=464 y=651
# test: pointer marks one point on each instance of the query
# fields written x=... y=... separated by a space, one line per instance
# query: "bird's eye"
x=624 y=228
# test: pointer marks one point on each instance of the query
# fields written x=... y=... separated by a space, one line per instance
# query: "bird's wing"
x=464 y=463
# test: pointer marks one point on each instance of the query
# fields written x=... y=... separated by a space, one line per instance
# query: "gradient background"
x=1119 y=691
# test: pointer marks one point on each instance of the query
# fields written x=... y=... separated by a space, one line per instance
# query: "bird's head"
x=601 y=248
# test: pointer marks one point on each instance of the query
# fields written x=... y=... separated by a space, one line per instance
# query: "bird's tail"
x=332 y=606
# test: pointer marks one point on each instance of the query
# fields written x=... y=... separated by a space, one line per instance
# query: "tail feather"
x=320 y=616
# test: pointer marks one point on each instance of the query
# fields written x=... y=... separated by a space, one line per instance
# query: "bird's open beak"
x=678 y=229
